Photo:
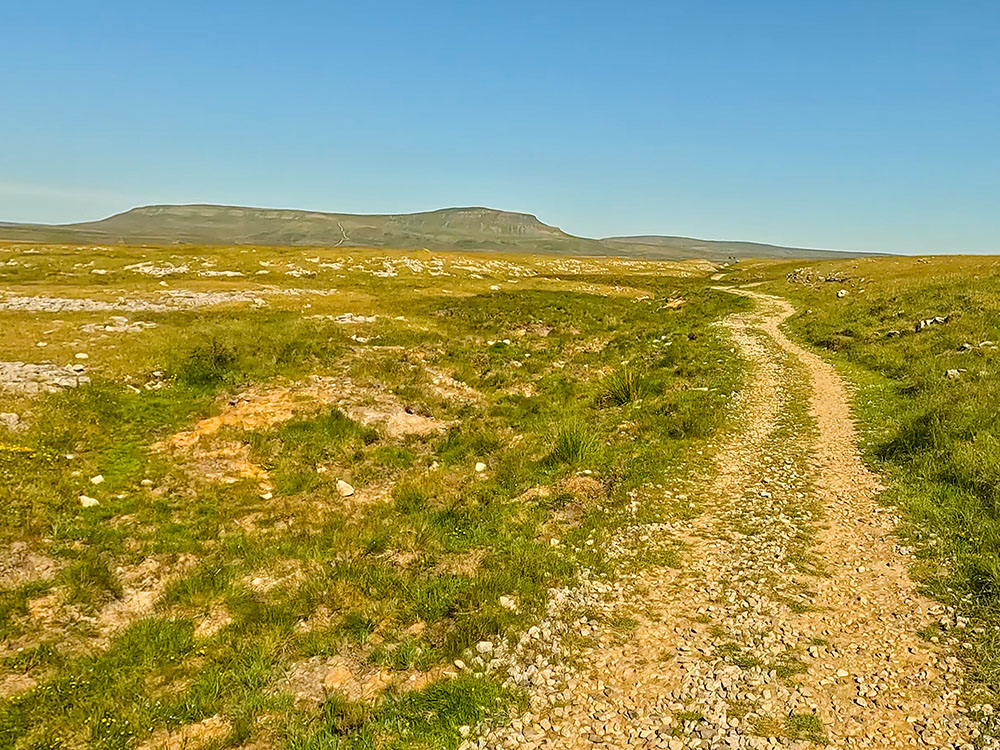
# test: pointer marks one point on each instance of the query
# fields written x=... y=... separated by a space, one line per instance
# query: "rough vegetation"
x=348 y=498
x=279 y=514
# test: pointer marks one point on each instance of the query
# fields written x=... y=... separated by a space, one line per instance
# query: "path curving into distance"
x=791 y=620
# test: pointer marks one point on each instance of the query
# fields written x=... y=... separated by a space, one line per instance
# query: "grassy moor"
x=340 y=497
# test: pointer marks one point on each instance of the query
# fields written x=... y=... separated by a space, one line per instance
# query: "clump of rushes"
x=574 y=442
x=623 y=387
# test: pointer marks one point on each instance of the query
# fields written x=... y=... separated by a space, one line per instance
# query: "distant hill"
x=445 y=229
x=688 y=247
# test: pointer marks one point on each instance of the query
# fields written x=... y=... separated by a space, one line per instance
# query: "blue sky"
x=855 y=125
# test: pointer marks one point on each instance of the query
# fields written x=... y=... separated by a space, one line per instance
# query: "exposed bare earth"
x=791 y=620
x=228 y=460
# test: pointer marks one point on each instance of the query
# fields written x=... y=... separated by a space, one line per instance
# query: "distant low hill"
x=445 y=229
x=657 y=246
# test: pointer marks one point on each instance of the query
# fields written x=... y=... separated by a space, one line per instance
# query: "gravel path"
x=791 y=620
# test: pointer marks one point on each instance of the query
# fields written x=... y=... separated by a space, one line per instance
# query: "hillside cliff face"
x=448 y=228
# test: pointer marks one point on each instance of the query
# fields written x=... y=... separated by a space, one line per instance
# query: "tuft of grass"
x=208 y=362
x=623 y=387
x=91 y=579
x=574 y=443
x=805 y=727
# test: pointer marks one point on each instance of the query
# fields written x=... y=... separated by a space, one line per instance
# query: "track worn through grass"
x=790 y=619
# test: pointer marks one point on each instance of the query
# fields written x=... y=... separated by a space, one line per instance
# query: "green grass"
x=623 y=387
x=573 y=444
x=407 y=573
x=805 y=727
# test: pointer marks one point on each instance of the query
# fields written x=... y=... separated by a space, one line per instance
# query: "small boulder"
x=953 y=374
x=88 y=502
x=480 y=467
x=841 y=293
x=344 y=489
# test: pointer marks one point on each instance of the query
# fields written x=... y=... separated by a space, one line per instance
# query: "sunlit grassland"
x=597 y=369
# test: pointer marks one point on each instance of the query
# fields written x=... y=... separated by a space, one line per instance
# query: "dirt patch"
x=536 y=329
x=281 y=573
x=142 y=586
x=582 y=487
x=312 y=681
x=19 y=564
x=51 y=615
x=320 y=619
x=462 y=564
x=45 y=611
x=261 y=409
x=534 y=493
x=394 y=420
x=189 y=736
x=264 y=408
x=212 y=621
x=402 y=558
x=13 y=685
x=586 y=346
x=229 y=462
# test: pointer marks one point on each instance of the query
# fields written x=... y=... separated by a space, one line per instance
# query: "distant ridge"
x=470 y=228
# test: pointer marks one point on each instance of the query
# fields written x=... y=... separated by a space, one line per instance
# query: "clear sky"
x=856 y=125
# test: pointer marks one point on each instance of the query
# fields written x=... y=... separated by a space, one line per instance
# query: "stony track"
x=791 y=621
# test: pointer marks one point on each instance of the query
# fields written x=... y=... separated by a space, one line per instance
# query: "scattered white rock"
x=344 y=489
x=98 y=479
x=352 y=318
x=480 y=467
x=32 y=379
x=10 y=420
x=88 y=502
